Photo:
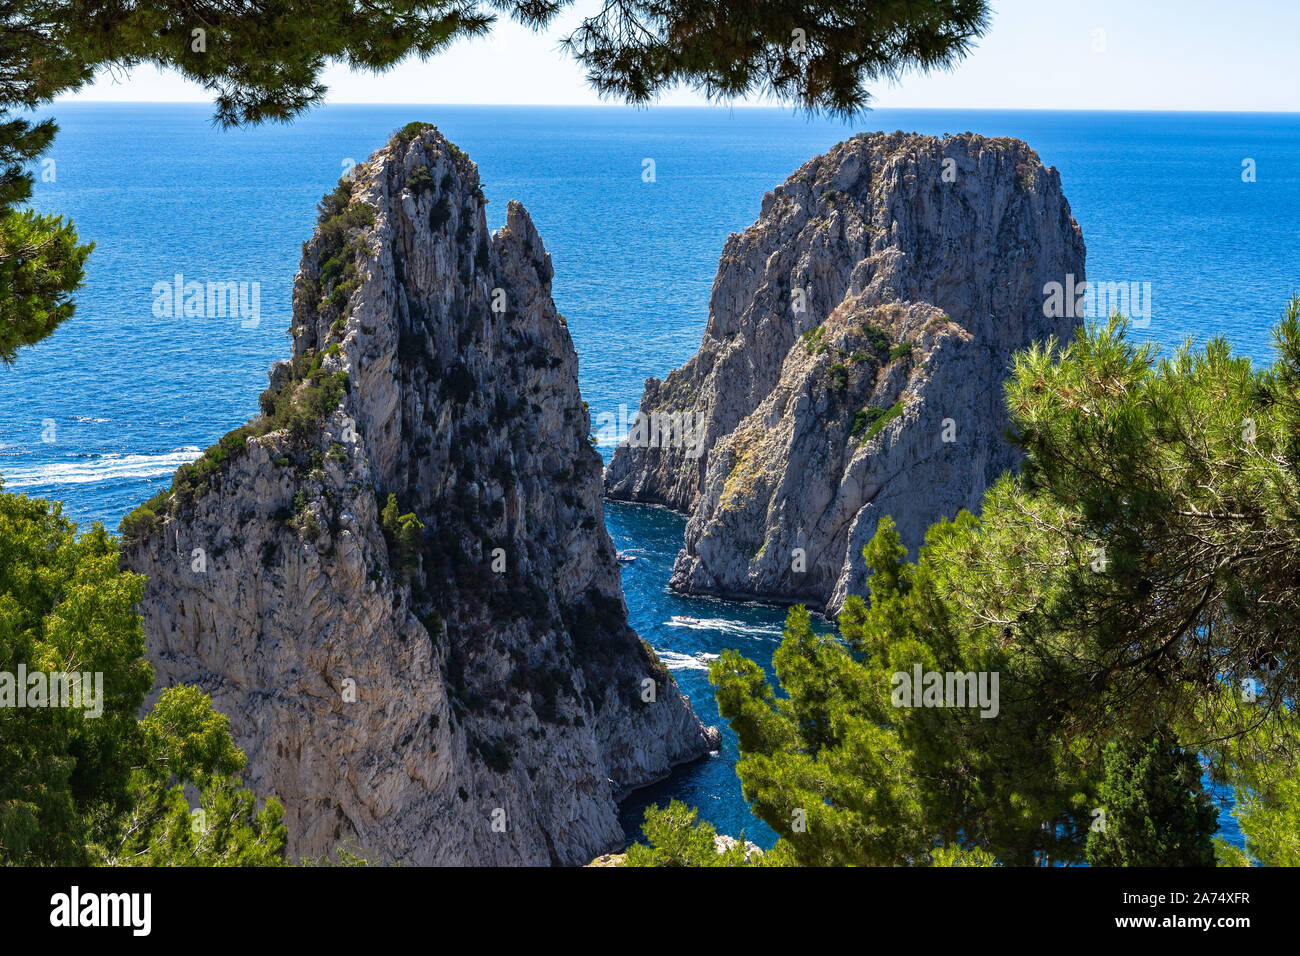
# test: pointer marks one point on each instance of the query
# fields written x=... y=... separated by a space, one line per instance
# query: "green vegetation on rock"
x=869 y=422
x=338 y=248
x=307 y=395
x=402 y=533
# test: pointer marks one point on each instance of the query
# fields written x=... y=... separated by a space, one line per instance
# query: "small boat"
x=678 y=620
x=624 y=558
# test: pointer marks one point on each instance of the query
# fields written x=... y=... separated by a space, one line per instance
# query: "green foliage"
x=432 y=621
x=1261 y=765
x=675 y=839
x=65 y=606
x=338 y=248
x=263 y=63
x=1156 y=814
x=344 y=856
x=41 y=265
x=1182 y=473
x=962 y=856
x=191 y=479
x=656 y=667
x=440 y=213
x=306 y=396
x=815 y=340
x=846 y=777
x=877 y=341
x=304 y=519
x=185 y=740
x=1271 y=823
x=1140 y=573
x=839 y=377
x=146 y=518
x=420 y=180
x=76 y=789
x=869 y=422
x=821 y=764
x=402 y=533
x=41 y=260
x=411 y=130
x=495 y=754
x=901 y=350
x=635 y=50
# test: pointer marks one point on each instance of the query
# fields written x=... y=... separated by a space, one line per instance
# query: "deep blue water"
x=1160 y=198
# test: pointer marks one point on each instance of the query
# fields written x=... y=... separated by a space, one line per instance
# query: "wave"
x=686 y=662
x=100 y=468
x=725 y=626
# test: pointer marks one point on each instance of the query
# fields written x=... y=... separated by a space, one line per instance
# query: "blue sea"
x=101 y=413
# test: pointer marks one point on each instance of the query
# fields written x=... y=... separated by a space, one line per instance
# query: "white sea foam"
x=725 y=626
x=99 y=468
x=686 y=662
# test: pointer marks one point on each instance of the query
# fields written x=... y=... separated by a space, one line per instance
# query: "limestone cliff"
x=852 y=365
x=397 y=581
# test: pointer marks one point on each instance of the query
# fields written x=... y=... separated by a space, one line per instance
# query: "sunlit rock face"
x=858 y=338
x=449 y=678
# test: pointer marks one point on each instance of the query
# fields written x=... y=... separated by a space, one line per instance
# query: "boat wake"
x=725 y=626
x=94 y=469
x=686 y=662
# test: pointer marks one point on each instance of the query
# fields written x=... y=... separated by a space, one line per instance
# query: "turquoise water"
x=101 y=413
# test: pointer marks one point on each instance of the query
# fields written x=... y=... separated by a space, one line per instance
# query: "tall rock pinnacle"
x=396 y=581
x=858 y=338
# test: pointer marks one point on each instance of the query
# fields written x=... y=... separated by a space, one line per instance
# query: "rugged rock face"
x=858 y=337
x=397 y=581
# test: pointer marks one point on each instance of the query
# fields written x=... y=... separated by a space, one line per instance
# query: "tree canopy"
x=1155 y=812
x=1134 y=589
x=78 y=787
x=263 y=61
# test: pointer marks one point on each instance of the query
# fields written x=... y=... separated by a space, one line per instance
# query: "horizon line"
x=703 y=107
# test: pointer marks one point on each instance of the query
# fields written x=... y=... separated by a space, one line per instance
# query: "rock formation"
x=858 y=337
x=396 y=581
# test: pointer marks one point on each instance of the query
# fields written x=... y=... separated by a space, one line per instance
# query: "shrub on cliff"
x=675 y=839
x=869 y=422
x=403 y=533
x=419 y=180
x=298 y=405
x=338 y=247
x=411 y=130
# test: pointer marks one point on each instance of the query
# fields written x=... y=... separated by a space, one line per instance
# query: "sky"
x=1038 y=54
